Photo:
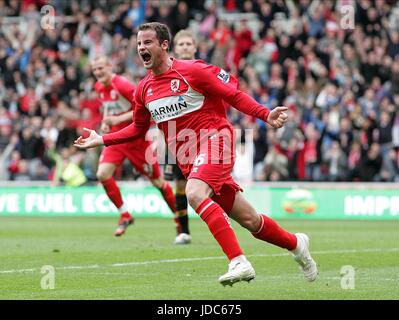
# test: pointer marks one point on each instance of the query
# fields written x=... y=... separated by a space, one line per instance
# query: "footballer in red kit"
x=117 y=100
x=117 y=96
x=180 y=93
x=187 y=101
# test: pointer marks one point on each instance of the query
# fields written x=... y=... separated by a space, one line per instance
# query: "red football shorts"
x=139 y=153
x=213 y=165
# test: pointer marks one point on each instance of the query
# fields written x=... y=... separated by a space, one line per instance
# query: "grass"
x=90 y=263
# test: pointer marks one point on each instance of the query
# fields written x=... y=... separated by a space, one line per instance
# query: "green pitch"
x=90 y=263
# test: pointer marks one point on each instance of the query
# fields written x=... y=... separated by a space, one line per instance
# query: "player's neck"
x=163 y=67
x=109 y=80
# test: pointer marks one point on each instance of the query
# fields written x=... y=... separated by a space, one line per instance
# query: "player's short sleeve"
x=213 y=79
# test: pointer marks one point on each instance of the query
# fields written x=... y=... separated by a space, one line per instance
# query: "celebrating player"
x=186 y=103
x=184 y=48
x=117 y=96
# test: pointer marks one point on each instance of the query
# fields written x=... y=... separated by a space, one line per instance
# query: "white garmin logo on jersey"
x=224 y=76
x=171 y=107
x=174 y=85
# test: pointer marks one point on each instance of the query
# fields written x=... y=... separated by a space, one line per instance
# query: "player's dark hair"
x=161 y=30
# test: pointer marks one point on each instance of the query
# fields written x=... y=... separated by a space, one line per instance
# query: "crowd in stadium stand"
x=341 y=84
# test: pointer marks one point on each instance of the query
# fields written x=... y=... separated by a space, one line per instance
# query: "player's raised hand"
x=92 y=141
x=277 y=117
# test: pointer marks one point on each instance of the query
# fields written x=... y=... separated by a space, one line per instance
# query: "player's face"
x=102 y=71
x=149 y=48
x=185 y=48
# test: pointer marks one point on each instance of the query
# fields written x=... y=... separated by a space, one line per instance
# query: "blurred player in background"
x=185 y=49
x=189 y=97
x=117 y=97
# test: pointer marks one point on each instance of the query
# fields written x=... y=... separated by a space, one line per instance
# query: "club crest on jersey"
x=174 y=85
x=224 y=76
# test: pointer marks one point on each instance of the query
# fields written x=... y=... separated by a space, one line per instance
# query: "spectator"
x=312 y=153
x=67 y=169
x=370 y=164
x=390 y=169
x=97 y=41
x=336 y=163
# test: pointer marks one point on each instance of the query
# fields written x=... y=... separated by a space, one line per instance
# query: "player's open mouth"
x=146 y=57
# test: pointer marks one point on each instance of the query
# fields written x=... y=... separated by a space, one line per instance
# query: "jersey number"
x=200 y=159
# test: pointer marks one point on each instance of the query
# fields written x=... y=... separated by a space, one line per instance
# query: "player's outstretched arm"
x=129 y=133
x=115 y=120
x=213 y=80
x=277 y=117
x=137 y=129
x=92 y=141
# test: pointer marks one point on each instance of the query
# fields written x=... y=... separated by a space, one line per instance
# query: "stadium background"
x=342 y=89
x=341 y=85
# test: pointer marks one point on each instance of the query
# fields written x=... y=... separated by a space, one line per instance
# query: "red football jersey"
x=190 y=95
x=117 y=98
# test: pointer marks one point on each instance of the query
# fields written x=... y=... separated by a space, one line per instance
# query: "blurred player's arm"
x=105 y=127
x=137 y=129
x=217 y=82
x=129 y=133
x=114 y=120
x=127 y=90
